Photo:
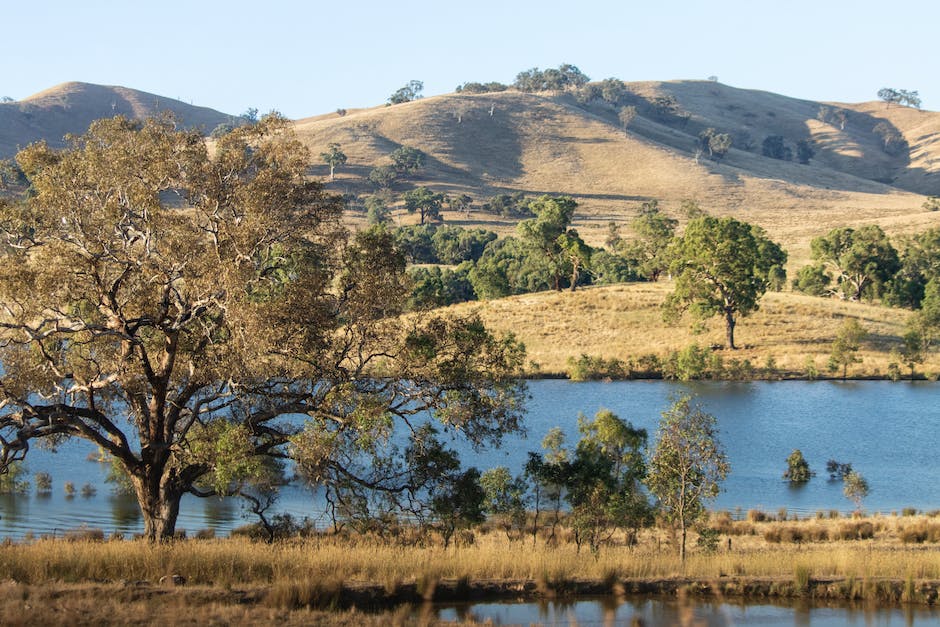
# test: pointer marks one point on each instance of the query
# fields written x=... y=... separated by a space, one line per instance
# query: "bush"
x=589 y=368
x=797 y=468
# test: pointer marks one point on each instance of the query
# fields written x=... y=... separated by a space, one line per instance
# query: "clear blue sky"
x=307 y=58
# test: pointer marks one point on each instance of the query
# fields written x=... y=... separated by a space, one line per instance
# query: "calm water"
x=668 y=611
x=888 y=431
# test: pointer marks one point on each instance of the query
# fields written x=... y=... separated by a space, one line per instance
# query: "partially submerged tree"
x=686 y=465
x=797 y=468
x=193 y=315
x=855 y=488
x=722 y=267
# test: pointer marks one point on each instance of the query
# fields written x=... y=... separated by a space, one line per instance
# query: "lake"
x=886 y=430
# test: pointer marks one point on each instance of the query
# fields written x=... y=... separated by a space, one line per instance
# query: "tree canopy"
x=863 y=259
x=196 y=315
x=721 y=266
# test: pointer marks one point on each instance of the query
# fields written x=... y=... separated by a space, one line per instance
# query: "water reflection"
x=650 y=611
x=125 y=512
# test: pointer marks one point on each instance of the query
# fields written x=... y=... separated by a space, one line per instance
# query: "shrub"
x=797 y=468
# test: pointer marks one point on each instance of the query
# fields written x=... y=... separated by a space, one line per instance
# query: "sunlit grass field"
x=625 y=321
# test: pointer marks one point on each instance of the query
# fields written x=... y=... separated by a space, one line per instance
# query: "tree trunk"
x=729 y=329
x=682 y=542
x=160 y=506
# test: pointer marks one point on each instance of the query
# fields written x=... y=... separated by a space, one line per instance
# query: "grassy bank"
x=887 y=559
x=788 y=333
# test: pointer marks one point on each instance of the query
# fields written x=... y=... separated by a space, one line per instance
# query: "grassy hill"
x=493 y=143
x=71 y=107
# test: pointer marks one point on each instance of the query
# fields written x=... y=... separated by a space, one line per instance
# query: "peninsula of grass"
x=887 y=559
x=789 y=337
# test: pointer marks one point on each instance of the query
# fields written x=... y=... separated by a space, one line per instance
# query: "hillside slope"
x=71 y=107
x=549 y=143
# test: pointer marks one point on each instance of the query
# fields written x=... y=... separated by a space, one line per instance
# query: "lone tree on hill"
x=411 y=91
x=687 y=465
x=722 y=267
x=333 y=157
x=427 y=203
x=197 y=316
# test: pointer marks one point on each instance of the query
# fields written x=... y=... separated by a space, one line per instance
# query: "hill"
x=71 y=107
x=549 y=143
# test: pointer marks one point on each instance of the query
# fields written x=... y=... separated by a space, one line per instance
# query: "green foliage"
x=435 y=287
x=505 y=500
x=654 y=231
x=509 y=205
x=119 y=478
x=333 y=157
x=567 y=76
x=686 y=465
x=548 y=235
x=863 y=259
x=377 y=211
x=455 y=244
x=427 y=203
x=846 y=346
x=919 y=264
x=721 y=267
x=608 y=268
x=812 y=280
x=13 y=480
x=481 y=88
x=797 y=468
x=931 y=204
x=714 y=143
x=407 y=159
x=900 y=97
x=594 y=368
x=775 y=147
x=383 y=176
x=690 y=363
x=407 y=93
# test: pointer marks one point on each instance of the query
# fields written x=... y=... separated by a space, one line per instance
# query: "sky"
x=308 y=58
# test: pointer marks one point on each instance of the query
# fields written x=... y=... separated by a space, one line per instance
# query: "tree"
x=797 y=468
x=846 y=345
x=862 y=258
x=333 y=157
x=892 y=142
x=549 y=235
x=716 y=144
x=804 y=151
x=687 y=465
x=411 y=91
x=407 y=160
x=626 y=116
x=505 y=500
x=889 y=95
x=654 y=230
x=721 y=267
x=899 y=96
x=775 y=147
x=812 y=280
x=383 y=176
x=194 y=316
x=461 y=202
x=855 y=488
x=427 y=203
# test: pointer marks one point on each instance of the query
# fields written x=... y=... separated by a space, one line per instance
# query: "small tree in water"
x=797 y=468
x=855 y=488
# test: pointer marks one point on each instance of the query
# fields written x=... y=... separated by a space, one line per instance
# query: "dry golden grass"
x=625 y=321
x=236 y=581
